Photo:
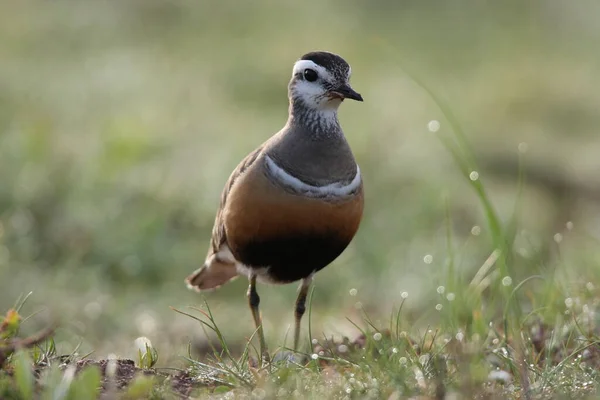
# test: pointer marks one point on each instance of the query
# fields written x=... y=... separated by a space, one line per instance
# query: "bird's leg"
x=253 y=302
x=300 y=308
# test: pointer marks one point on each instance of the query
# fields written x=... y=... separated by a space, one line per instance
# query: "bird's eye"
x=310 y=75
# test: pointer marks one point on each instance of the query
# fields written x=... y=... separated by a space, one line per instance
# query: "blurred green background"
x=121 y=120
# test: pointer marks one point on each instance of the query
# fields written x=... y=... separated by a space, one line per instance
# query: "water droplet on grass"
x=441 y=289
x=507 y=281
x=433 y=125
x=523 y=147
x=569 y=225
x=377 y=337
x=404 y=295
x=450 y=296
x=500 y=375
x=569 y=302
x=428 y=259
x=438 y=307
x=474 y=175
x=558 y=237
x=476 y=230
x=314 y=356
x=353 y=292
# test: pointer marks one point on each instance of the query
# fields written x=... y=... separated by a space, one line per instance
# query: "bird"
x=295 y=203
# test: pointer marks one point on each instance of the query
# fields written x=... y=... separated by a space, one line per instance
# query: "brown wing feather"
x=220 y=266
x=218 y=233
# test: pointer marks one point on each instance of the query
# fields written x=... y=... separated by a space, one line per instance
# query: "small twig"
x=6 y=349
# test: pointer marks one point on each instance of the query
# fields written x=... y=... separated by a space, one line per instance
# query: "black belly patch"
x=291 y=258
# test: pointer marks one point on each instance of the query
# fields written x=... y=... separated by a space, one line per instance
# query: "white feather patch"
x=336 y=189
x=301 y=65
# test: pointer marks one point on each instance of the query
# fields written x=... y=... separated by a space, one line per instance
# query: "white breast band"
x=336 y=189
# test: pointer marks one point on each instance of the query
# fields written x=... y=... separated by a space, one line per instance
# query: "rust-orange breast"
x=293 y=235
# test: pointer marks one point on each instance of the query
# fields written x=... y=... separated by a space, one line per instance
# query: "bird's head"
x=321 y=81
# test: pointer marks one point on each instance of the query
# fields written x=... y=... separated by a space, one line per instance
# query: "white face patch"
x=301 y=65
x=336 y=189
x=313 y=94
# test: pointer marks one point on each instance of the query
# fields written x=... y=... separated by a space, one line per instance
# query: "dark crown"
x=332 y=62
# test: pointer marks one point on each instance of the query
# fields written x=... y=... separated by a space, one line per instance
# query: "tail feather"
x=211 y=275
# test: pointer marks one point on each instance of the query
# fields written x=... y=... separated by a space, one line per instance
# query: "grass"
x=474 y=273
x=534 y=360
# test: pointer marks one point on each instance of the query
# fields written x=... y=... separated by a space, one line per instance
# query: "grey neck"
x=320 y=124
x=312 y=147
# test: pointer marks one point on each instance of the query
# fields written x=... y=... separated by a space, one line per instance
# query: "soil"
x=126 y=371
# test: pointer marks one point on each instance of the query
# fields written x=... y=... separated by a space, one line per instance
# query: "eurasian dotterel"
x=293 y=205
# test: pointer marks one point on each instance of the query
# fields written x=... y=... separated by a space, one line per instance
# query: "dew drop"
x=404 y=295
x=569 y=302
x=353 y=292
x=589 y=286
x=585 y=308
x=474 y=175
x=558 y=237
x=507 y=281
x=438 y=307
x=428 y=259
x=523 y=147
x=450 y=296
x=476 y=230
x=377 y=337
x=433 y=125
x=441 y=289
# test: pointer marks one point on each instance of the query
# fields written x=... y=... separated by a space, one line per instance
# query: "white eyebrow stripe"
x=336 y=189
x=301 y=65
